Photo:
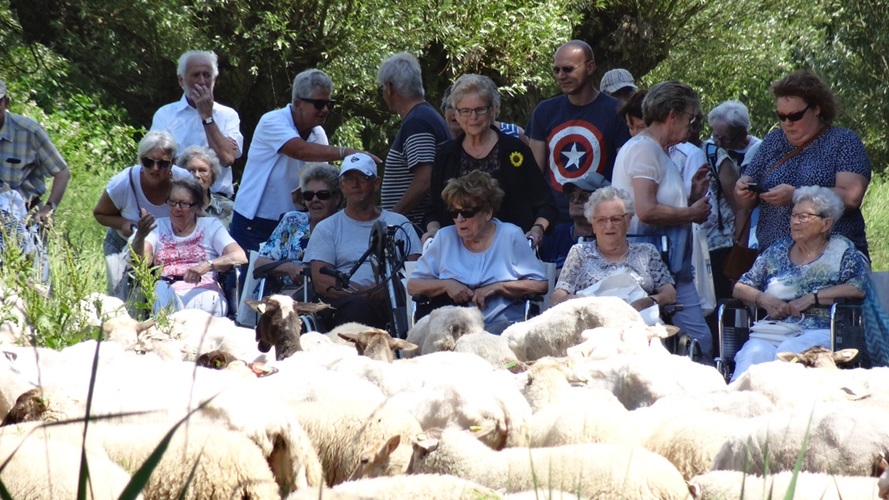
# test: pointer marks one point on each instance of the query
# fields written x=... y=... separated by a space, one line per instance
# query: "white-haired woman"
x=205 y=167
x=802 y=275
x=609 y=211
x=131 y=195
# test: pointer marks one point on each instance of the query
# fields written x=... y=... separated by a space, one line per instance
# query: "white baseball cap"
x=360 y=162
x=617 y=79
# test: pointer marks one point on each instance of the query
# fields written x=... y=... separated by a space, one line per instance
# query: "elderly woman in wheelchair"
x=610 y=264
x=797 y=279
x=190 y=248
x=320 y=193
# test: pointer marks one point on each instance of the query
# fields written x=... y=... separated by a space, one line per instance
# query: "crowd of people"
x=489 y=199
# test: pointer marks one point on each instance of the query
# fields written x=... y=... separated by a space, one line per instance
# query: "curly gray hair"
x=206 y=155
x=827 y=203
x=607 y=193
x=734 y=113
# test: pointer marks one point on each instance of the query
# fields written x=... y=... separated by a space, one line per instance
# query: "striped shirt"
x=27 y=156
x=422 y=131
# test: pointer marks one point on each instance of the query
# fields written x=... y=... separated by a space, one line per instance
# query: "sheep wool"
x=440 y=329
x=589 y=470
x=425 y=486
x=718 y=485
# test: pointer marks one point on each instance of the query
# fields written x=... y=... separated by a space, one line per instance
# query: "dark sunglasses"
x=465 y=212
x=148 y=163
x=322 y=195
x=320 y=103
x=566 y=69
x=793 y=117
x=180 y=204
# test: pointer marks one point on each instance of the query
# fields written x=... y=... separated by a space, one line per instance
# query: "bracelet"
x=211 y=265
x=756 y=300
x=342 y=152
x=654 y=299
x=540 y=226
x=815 y=293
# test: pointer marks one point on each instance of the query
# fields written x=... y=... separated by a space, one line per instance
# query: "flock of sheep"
x=582 y=401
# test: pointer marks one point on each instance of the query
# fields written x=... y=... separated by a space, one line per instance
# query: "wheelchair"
x=269 y=284
x=734 y=320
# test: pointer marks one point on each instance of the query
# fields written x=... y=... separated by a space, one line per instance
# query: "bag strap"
x=796 y=151
x=133 y=187
x=711 y=152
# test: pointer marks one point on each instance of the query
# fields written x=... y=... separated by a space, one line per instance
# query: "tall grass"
x=876 y=216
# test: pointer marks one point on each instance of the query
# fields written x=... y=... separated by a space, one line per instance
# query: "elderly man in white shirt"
x=197 y=120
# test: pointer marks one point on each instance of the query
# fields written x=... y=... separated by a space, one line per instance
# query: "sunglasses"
x=322 y=195
x=465 y=212
x=793 y=117
x=565 y=69
x=180 y=204
x=149 y=163
x=320 y=103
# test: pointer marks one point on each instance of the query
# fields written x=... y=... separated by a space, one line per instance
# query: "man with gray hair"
x=283 y=141
x=27 y=158
x=198 y=120
x=408 y=170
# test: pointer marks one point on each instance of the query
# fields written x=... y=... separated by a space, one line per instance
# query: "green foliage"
x=875 y=209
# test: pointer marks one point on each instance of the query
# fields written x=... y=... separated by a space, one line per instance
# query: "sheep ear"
x=425 y=442
x=845 y=355
x=389 y=447
x=351 y=337
x=145 y=325
x=403 y=345
x=259 y=307
x=790 y=357
x=309 y=307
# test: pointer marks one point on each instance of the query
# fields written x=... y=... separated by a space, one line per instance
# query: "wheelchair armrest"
x=264 y=270
x=840 y=301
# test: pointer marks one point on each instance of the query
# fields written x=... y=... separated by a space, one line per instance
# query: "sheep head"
x=819 y=357
x=377 y=344
x=279 y=323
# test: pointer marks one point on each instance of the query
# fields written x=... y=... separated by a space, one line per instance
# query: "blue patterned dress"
x=288 y=240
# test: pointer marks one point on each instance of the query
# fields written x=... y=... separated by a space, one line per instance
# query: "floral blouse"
x=288 y=241
x=775 y=274
x=585 y=266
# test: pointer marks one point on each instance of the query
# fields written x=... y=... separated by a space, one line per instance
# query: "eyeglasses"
x=322 y=195
x=615 y=221
x=565 y=69
x=465 y=212
x=804 y=216
x=579 y=197
x=320 y=103
x=180 y=204
x=477 y=111
x=723 y=138
x=793 y=117
x=149 y=163
x=694 y=117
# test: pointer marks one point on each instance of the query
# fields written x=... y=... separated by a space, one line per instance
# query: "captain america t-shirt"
x=581 y=141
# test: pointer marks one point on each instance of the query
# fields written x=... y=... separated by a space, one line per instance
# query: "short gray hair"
x=827 y=203
x=308 y=81
x=207 y=55
x=734 y=113
x=483 y=86
x=324 y=172
x=403 y=72
x=157 y=139
x=668 y=96
x=607 y=193
x=206 y=155
x=195 y=190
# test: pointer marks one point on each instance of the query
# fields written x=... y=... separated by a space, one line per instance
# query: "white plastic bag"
x=775 y=332
x=624 y=286
x=703 y=272
x=246 y=317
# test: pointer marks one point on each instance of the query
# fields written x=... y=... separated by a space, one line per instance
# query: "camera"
x=756 y=188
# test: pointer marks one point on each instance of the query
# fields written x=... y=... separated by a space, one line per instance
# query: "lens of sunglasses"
x=793 y=117
x=465 y=212
x=322 y=195
x=149 y=163
x=320 y=103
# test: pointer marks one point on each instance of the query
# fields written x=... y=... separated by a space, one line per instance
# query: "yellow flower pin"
x=516 y=159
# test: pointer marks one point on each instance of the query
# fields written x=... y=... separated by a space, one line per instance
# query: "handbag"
x=775 y=332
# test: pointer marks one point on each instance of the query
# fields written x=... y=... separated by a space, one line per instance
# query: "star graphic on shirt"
x=574 y=156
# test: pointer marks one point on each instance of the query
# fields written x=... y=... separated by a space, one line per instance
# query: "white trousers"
x=760 y=351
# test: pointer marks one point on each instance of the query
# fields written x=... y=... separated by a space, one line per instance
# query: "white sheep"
x=357 y=440
x=441 y=328
x=589 y=470
x=589 y=422
x=14 y=327
x=42 y=466
x=97 y=308
x=718 y=485
x=605 y=342
x=690 y=441
x=426 y=486
x=377 y=344
x=492 y=348
x=559 y=327
x=791 y=385
x=842 y=438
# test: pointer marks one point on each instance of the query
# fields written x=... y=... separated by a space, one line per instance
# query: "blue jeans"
x=250 y=233
x=691 y=319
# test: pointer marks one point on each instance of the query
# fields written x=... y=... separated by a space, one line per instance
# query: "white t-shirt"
x=178 y=254
x=184 y=123
x=340 y=240
x=269 y=175
x=128 y=201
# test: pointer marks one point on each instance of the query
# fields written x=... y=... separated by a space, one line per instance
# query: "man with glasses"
x=283 y=141
x=339 y=242
x=408 y=171
x=27 y=158
x=576 y=135
x=198 y=120
x=557 y=244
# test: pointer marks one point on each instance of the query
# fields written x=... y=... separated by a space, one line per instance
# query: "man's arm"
x=308 y=151
x=59 y=185
x=417 y=189
x=539 y=150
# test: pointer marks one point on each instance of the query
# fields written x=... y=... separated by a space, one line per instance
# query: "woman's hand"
x=700 y=183
x=643 y=303
x=428 y=234
x=481 y=294
x=780 y=195
x=741 y=191
x=458 y=292
x=777 y=308
x=803 y=303
x=194 y=274
x=535 y=234
x=701 y=209
x=143 y=227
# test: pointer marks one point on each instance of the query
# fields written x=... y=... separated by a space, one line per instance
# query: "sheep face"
x=279 y=324
x=819 y=357
x=375 y=462
x=377 y=344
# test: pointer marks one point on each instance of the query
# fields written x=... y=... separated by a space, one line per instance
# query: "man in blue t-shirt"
x=577 y=134
x=408 y=169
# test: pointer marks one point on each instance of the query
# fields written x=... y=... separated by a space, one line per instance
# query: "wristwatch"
x=208 y=121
